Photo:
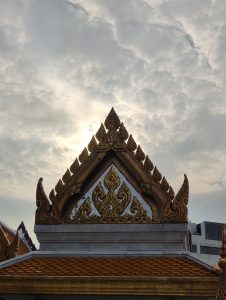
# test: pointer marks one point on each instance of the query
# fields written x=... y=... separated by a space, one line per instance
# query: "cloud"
x=205 y=202
x=23 y=211
x=64 y=64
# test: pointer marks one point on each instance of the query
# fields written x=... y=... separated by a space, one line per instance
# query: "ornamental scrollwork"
x=110 y=207
x=176 y=210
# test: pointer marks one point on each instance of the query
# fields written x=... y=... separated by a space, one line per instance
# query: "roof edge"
x=200 y=262
x=39 y=253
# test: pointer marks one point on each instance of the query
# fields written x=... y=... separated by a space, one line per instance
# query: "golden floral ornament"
x=112 y=202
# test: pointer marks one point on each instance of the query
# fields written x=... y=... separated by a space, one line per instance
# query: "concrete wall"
x=111 y=239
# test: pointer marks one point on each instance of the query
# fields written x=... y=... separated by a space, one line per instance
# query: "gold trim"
x=177 y=209
x=111 y=207
x=110 y=285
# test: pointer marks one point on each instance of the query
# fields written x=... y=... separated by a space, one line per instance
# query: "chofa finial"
x=112 y=121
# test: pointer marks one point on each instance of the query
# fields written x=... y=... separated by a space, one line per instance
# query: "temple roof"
x=109 y=233
x=44 y=273
x=14 y=243
x=102 y=266
x=112 y=147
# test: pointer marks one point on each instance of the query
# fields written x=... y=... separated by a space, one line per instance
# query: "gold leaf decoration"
x=124 y=198
x=52 y=195
x=101 y=134
x=112 y=180
x=43 y=205
x=66 y=177
x=177 y=210
x=84 y=156
x=111 y=143
x=92 y=145
x=111 y=207
x=156 y=176
x=164 y=185
x=59 y=186
x=131 y=144
x=45 y=213
x=171 y=193
x=140 y=214
x=98 y=198
x=148 y=164
x=123 y=132
x=112 y=121
x=140 y=156
x=75 y=166
x=84 y=211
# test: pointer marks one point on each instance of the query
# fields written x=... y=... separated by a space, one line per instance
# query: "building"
x=14 y=243
x=112 y=228
x=207 y=241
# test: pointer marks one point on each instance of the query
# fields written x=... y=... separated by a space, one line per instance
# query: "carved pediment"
x=112 y=200
x=111 y=145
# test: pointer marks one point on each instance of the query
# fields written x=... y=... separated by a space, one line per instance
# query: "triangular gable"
x=112 y=199
x=112 y=146
x=13 y=243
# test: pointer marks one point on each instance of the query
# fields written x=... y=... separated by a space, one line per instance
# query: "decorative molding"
x=187 y=287
x=111 y=206
x=45 y=213
x=26 y=236
x=8 y=250
x=112 y=140
x=176 y=210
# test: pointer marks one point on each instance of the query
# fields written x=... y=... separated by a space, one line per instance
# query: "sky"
x=65 y=63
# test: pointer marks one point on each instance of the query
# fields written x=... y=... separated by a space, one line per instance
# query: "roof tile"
x=87 y=266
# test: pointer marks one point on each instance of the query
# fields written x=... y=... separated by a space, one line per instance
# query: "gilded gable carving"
x=113 y=142
x=111 y=206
